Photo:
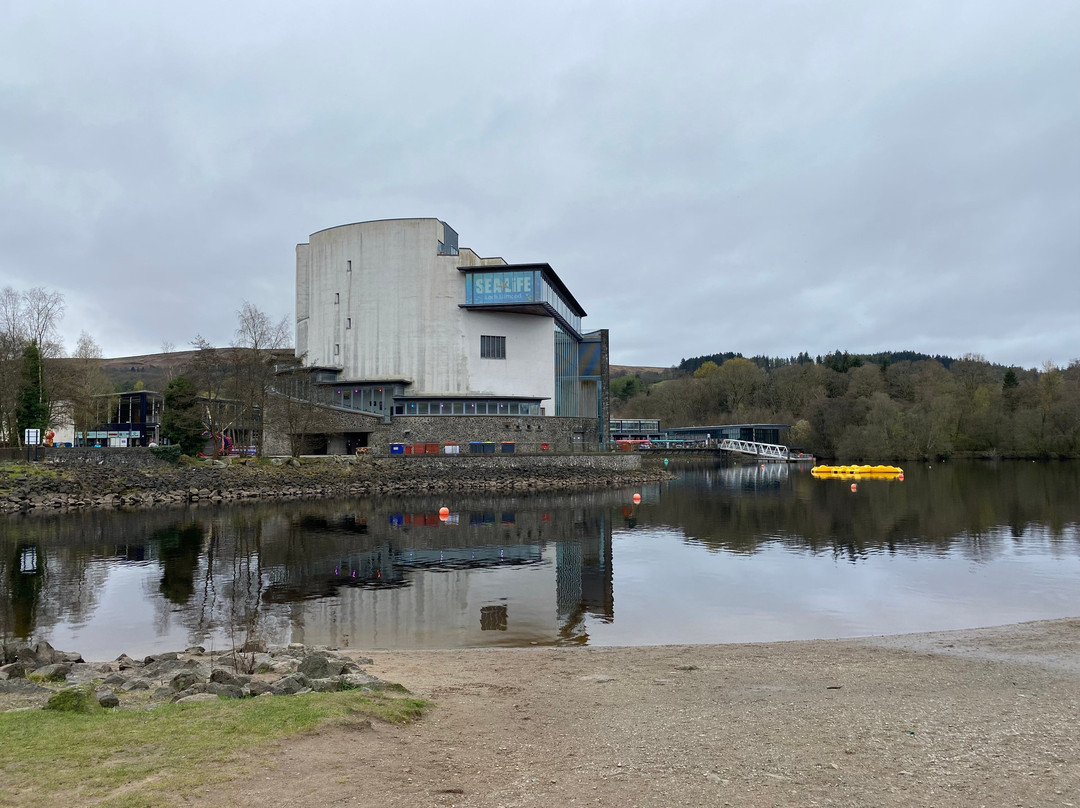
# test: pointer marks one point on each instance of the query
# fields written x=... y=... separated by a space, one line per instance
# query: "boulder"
x=13 y=670
x=45 y=654
x=224 y=690
x=319 y=666
x=183 y=680
x=73 y=700
x=106 y=698
x=227 y=677
x=352 y=681
x=23 y=687
x=257 y=687
x=290 y=685
x=328 y=685
x=56 y=672
x=168 y=656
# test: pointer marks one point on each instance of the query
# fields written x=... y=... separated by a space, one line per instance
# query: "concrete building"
x=397 y=322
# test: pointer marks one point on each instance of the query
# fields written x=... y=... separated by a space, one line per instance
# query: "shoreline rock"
x=30 y=680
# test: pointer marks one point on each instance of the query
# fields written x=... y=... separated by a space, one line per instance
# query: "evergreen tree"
x=32 y=410
x=181 y=422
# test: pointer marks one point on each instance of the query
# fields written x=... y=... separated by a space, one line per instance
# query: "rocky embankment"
x=64 y=486
x=41 y=676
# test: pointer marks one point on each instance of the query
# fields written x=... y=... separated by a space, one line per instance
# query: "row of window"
x=467 y=408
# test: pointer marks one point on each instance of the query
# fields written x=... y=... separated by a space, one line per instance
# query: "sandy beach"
x=985 y=717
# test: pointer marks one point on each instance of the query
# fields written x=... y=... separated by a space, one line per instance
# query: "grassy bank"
x=129 y=759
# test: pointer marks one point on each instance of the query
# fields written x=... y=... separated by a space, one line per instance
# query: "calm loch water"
x=719 y=555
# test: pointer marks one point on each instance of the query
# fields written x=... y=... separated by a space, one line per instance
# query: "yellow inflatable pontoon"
x=856 y=471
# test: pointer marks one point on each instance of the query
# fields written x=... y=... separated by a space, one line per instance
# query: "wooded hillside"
x=894 y=405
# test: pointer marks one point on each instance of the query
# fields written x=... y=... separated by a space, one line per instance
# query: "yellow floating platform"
x=856 y=471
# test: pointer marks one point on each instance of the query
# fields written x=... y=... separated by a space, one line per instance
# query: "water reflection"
x=720 y=554
x=377 y=574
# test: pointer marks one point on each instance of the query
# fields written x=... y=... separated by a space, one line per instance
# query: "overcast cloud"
x=763 y=177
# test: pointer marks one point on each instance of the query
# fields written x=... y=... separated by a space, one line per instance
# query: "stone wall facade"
x=528 y=433
x=335 y=431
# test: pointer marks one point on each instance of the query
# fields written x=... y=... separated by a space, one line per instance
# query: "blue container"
x=397 y=448
x=507 y=447
x=476 y=447
x=489 y=447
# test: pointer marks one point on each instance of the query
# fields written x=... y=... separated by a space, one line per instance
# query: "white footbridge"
x=764 y=451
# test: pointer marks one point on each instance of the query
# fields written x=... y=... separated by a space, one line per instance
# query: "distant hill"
x=153 y=370
x=634 y=370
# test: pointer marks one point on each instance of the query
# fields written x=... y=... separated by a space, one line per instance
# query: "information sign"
x=32 y=437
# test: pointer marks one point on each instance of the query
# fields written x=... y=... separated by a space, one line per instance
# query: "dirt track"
x=976 y=718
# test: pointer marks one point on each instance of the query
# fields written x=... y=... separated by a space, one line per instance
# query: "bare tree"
x=26 y=317
x=42 y=312
x=256 y=350
x=210 y=374
x=167 y=347
x=86 y=385
x=291 y=414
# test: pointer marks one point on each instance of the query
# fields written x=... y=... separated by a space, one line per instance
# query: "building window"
x=492 y=347
x=348 y=266
x=337 y=297
x=348 y=322
x=337 y=348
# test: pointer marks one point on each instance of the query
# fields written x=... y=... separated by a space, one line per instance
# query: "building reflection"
x=508 y=571
x=494 y=573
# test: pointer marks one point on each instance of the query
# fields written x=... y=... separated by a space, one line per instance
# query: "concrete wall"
x=529 y=367
x=396 y=314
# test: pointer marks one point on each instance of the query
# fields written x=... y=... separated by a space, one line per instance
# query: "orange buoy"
x=444 y=513
x=900 y=477
x=854 y=487
x=637 y=498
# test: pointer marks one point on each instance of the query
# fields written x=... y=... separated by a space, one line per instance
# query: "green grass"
x=127 y=759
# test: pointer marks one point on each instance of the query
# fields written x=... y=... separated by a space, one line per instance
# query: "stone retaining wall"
x=110 y=478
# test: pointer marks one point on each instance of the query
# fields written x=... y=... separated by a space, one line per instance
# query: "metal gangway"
x=765 y=451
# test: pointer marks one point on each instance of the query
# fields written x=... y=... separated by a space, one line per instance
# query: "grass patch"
x=122 y=759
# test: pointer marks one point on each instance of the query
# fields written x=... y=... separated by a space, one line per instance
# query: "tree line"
x=893 y=405
x=216 y=389
x=39 y=386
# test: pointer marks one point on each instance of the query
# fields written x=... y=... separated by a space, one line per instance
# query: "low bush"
x=170 y=454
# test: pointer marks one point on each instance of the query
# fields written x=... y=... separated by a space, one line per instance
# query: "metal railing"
x=770 y=450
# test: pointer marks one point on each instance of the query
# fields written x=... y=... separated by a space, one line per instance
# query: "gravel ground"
x=989 y=717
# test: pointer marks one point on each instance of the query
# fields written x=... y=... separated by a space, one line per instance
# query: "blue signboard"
x=501 y=287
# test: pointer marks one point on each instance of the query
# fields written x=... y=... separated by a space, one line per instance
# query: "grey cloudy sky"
x=764 y=177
